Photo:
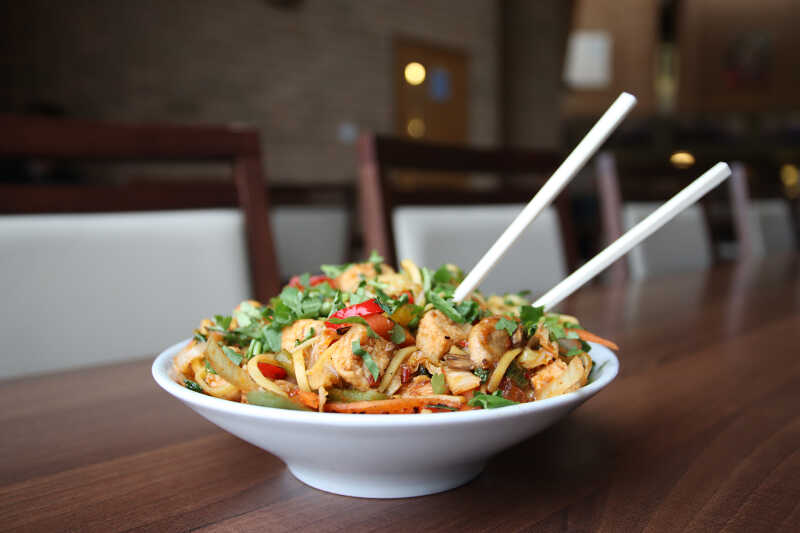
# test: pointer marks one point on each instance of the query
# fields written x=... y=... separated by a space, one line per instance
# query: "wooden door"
x=431 y=100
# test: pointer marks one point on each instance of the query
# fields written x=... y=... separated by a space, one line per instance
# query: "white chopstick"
x=671 y=208
x=568 y=169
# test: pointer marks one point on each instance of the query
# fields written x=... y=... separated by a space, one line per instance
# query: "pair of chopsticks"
x=563 y=175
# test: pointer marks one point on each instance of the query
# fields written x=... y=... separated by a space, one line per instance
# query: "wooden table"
x=700 y=431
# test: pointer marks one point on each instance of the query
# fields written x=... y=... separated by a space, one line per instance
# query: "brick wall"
x=295 y=73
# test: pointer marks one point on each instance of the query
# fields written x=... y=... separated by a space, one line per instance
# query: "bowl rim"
x=163 y=362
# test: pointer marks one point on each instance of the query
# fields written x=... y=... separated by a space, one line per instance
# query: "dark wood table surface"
x=699 y=432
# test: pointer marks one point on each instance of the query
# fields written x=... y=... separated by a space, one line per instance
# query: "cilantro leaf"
x=586 y=346
x=398 y=334
x=272 y=338
x=445 y=307
x=438 y=384
x=573 y=352
x=199 y=337
x=572 y=335
x=369 y=362
x=441 y=406
x=247 y=314
x=223 y=321
x=305 y=280
x=235 y=357
x=426 y=279
x=530 y=316
x=443 y=275
x=192 y=386
x=516 y=374
x=334 y=271
x=505 y=324
x=482 y=373
x=596 y=370
x=376 y=260
x=290 y=296
x=489 y=401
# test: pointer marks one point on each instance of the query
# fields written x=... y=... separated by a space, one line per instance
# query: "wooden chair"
x=380 y=195
x=46 y=138
x=96 y=273
x=727 y=215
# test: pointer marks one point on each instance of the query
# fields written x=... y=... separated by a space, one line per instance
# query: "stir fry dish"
x=364 y=338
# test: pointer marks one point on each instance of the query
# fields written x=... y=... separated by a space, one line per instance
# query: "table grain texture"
x=700 y=432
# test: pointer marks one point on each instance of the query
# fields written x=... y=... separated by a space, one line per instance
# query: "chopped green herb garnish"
x=247 y=314
x=573 y=352
x=272 y=337
x=443 y=275
x=334 y=271
x=376 y=260
x=369 y=362
x=510 y=326
x=463 y=312
x=199 y=337
x=234 y=356
x=596 y=370
x=398 y=334
x=572 y=335
x=308 y=336
x=438 y=384
x=482 y=373
x=516 y=374
x=223 y=321
x=530 y=317
x=191 y=385
x=586 y=346
x=210 y=369
x=572 y=325
x=441 y=406
x=489 y=401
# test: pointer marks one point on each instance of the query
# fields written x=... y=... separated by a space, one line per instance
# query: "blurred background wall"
x=306 y=73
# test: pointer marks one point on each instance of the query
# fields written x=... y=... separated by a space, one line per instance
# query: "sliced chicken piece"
x=558 y=378
x=461 y=381
x=437 y=333
x=487 y=344
x=298 y=331
x=350 y=278
x=350 y=367
x=419 y=386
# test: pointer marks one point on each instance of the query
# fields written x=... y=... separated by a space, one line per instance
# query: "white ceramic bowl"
x=384 y=456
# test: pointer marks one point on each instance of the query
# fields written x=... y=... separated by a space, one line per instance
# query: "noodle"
x=367 y=339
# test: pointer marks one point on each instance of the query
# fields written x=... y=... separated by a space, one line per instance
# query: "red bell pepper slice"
x=313 y=280
x=368 y=308
x=271 y=371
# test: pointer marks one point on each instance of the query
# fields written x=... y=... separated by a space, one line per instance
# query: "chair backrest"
x=682 y=245
x=380 y=201
x=461 y=234
x=37 y=137
x=98 y=284
x=626 y=197
x=82 y=289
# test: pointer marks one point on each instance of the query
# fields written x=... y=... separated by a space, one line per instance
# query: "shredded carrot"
x=309 y=399
x=591 y=337
x=393 y=405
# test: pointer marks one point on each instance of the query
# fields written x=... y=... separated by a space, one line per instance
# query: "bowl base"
x=389 y=484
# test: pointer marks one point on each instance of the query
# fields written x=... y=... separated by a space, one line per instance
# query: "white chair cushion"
x=775 y=225
x=682 y=245
x=433 y=235
x=87 y=289
x=307 y=237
